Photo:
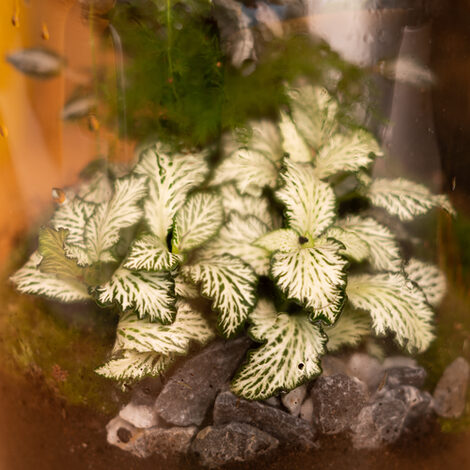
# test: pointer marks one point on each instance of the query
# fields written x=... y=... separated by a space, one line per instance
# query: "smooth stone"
x=140 y=416
x=337 y=400
x=294 y=399
x=379 y=423
x=399 y=361
x=189 y=393
x=120 y=433
x=306 y=410
x=285 y=427
x=332 y=365
x=451 y=390
x=234 y=442
x=366 y=368
x=396 y=376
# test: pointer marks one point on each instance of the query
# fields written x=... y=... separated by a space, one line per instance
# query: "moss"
x=60 y=344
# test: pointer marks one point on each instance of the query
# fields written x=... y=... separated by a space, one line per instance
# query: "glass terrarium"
x=234 y=234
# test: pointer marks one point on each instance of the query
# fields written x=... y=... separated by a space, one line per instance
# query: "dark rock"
x=396 y=376
x=366 y=368
x=337 y=400
x=273 y=401
x=234 y=442
x=379 y=423
x=190 y=392
x=451 y=390
x=285 y=427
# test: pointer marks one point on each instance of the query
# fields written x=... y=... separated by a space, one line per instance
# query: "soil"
x=41 y=432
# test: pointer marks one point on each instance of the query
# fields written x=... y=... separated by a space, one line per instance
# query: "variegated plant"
x=277 y=209
x=138 y=243
x=339 y=278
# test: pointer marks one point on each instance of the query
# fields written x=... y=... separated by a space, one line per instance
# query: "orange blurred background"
x=39 y=151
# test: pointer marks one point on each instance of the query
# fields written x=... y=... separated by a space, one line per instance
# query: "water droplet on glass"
x=58 y=195
x=3 y=131
x=93 y=123
x=45 y=32
x=15 y=19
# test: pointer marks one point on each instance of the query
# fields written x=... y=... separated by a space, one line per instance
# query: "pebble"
x=399 y=361
x=230 y=443
x=451 y=390
x=367 y=369
x=379 y=423
x=189 y=393
x=337 y=400
x=294 y=399
x=332 y=365
x=414 y=376
x=283 y=426
x=140 y=416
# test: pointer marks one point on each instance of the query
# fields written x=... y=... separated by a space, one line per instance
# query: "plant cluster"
x=279 y=236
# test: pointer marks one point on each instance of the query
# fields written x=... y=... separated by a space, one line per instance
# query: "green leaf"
x=230 y=283
x=237 y=237
x=396 y=305
x=245 y=204
x=292 y=142
x=197 y=221
x=314 y=276
x=351 y=328
x=30 y=280
x=143 y=336
x=310 y=203
x=346 y=153
x=249 y=170
x=404 y=198
x=150 y=253
x=133 y=366
x=171 y=178
x=365 y=238
x=151 y=294
x=314 y=113
x=429 y=278
x=121 y=211
x=290 y=356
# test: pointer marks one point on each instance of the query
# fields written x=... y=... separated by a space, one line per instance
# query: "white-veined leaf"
x=110 y=217
x=395 y=304
x=97 y=189
x=283 y=239
x=30 y=280
x=349 y=330
x=249 y=170
x=310 y=203
x=132 y=366
x=143 y=336
x=230 y=283
x=197 y=221
x=266 y=139
x=404 y=198
x=290 y=356
x=151 y=294
x=184 y=288
x=346 y=153
x=245 y=204
x=429 y=278
x=262 y=319
x=149 y=253
x=171 y=177
x=383 y=250
x=237 y=238
x=292 y=142
x=314 y=276
x=314 y=113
